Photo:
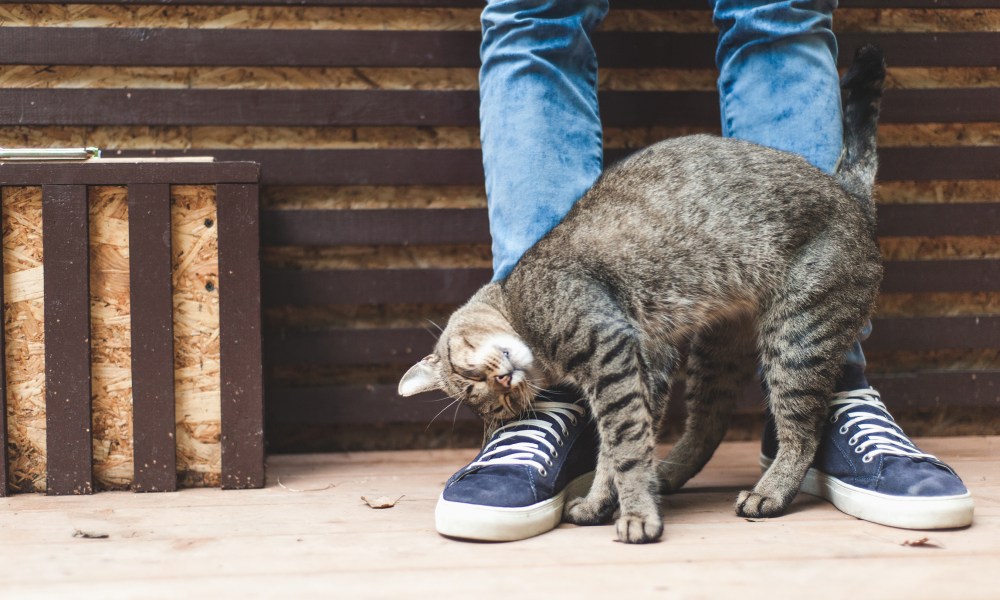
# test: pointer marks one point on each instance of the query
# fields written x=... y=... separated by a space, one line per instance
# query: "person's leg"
x=541 y=137
x=779 y=87
x=540 y=126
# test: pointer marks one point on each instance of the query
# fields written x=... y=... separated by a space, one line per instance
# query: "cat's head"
x=480 y=360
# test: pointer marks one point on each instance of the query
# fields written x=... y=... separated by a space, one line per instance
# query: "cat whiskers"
x=455 y=399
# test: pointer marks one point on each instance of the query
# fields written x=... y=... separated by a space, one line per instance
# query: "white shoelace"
x=877 y=434
x=532 y=448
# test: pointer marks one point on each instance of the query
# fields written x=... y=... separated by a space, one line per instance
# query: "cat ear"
x=422 y=377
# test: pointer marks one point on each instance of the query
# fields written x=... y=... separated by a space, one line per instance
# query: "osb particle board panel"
x=110 y=338
x=24 y=330
x=196 y=345
x=196 y=335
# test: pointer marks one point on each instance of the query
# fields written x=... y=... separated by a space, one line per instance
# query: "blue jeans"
x=540 y=125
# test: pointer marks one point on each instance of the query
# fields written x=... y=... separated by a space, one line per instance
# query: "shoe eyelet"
x=555 y=454
x=833 y=419
x=858 y=450
x=543 y=473
x=560 y=443
x=573 y=421
x=867 y=458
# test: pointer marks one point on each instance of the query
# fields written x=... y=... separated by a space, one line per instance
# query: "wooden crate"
x=132 y=348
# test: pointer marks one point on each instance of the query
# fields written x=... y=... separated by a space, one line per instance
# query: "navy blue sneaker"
x=518 y=484
x=869 y=469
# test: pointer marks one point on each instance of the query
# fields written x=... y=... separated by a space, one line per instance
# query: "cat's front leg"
x=626 y=472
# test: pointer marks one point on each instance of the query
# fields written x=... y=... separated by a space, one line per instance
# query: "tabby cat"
x=745 y=253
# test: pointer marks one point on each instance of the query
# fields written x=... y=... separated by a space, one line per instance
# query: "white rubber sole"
x=496 y=524
x=939 y=512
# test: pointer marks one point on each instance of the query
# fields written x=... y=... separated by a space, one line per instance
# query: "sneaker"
x=518 y=484
x=869 y=469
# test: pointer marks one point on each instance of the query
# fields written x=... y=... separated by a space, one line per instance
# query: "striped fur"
x=744 y=253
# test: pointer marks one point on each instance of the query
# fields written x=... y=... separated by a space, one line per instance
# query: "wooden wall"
x=363 y=114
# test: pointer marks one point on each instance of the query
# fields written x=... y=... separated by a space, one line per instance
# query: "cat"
x=747 y=254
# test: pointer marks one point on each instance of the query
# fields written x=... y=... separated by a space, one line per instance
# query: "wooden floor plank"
x=312 y=534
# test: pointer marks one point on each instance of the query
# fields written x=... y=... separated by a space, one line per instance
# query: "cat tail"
x=862 y=86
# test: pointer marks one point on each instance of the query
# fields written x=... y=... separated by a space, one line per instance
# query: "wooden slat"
x=321 y=108
x=117 y=172
x=404 y=345
x=465 y=167
x=4 y=468
x=347 y=346
x=356 y=405
x=283 y=287
x=643 y=4
x=933 y=333
x=923 y=276
x=979 y=219
x=153 y=419
x=378 y=404
x=340 y=48
x=358 y=227
x=67 y=340
x=240 y=337
x=471 y=226
x=291 y=287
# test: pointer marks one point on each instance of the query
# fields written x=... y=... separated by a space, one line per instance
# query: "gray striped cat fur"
x=744 y=254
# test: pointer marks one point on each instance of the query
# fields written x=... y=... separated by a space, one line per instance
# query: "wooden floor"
x=309 y=534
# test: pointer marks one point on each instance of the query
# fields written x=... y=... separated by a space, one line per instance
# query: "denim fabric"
x=541 y=128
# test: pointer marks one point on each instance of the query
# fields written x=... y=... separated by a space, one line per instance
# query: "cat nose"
x=504 y=380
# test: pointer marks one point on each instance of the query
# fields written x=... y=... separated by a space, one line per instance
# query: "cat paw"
x=584 y=511
x=755 y=505
x=639 y=529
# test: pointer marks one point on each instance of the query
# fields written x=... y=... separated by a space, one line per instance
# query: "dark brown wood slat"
x=153 y=419
x=357 y=405
x=471 y=226
x=644 y=4
x=411 y=286
x=982 y=219
x=347 y=346
x=361 y=227
x=933 y=333
x=401 y=346
x=924 y=276
x=4 y=468
x=115 y=172
x=285 y=287
x=317 y=108
x=415 y=108
x=240 y=337
x=67 y=340
x=379 y=404
x=246 y=47
x=464 y=166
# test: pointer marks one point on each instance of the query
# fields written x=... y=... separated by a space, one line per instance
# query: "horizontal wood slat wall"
x=364 y=117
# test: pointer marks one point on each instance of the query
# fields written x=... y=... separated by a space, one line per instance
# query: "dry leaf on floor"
x=285 y=487
x=921 y=543
x=90 y=535
x=381 y=501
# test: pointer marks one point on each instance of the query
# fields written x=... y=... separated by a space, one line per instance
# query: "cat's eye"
x=506 y=353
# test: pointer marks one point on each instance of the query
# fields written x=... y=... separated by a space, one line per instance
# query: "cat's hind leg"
x=803 y=339
x=721 y=361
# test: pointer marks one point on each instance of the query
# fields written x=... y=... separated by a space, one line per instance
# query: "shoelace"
x=876 y=433
x=530 y=446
